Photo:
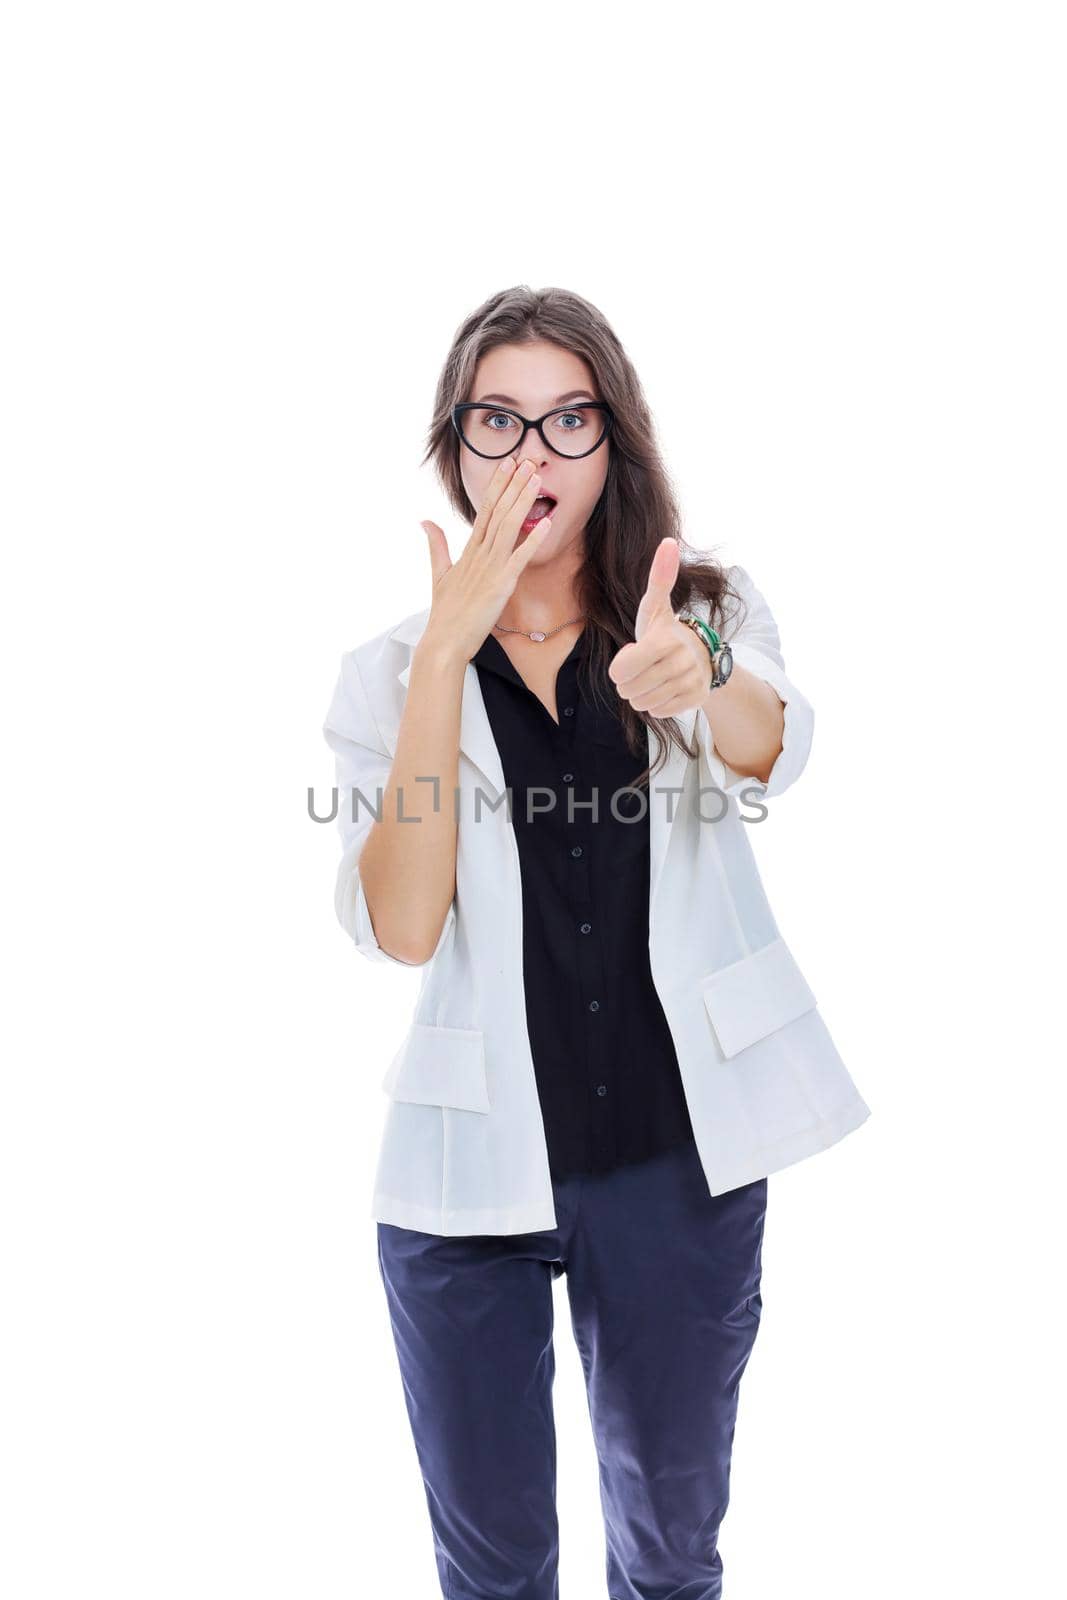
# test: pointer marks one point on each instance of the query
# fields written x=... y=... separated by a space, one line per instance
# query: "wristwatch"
x=722 y=659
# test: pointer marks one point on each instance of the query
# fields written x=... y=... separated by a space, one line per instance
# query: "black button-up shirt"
x=607 y=1072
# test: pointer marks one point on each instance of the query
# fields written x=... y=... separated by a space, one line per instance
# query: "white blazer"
x=463 y=1146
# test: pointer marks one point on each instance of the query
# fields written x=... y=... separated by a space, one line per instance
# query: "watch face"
x=726 y=663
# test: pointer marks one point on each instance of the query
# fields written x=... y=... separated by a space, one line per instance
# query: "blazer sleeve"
x=362 y=767
x=752 y=634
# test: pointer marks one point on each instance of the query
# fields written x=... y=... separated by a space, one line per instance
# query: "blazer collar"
x=479 y=746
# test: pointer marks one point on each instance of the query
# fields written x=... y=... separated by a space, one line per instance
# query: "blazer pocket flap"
x=752 y=997
x=439 y=1066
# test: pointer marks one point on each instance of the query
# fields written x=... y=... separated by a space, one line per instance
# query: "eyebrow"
x=509 y=400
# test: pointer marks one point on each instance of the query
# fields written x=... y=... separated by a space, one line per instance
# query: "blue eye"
x=493 y=417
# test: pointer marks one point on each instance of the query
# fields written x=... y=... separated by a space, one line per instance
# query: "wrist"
x=438 y=656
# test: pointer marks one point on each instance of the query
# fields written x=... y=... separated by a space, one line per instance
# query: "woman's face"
x=533 y=379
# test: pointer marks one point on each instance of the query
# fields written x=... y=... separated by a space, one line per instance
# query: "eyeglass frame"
x=533 y=422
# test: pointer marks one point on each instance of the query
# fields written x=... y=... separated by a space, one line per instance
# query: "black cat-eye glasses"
x=495 y=431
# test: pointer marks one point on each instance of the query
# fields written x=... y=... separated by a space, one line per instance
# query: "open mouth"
x=543 y=506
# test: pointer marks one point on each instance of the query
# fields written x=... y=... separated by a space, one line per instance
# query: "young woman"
x=612 y=1045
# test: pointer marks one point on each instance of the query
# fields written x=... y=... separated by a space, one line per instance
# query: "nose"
x=532 y=450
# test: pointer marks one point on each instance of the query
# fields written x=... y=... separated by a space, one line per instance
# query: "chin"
x=557 y=541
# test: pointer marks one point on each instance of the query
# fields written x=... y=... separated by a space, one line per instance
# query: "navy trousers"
x=663 y=1281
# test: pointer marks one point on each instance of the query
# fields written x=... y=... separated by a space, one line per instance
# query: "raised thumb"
x=662 y=576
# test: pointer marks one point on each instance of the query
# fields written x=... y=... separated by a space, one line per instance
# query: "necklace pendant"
x=538 y=638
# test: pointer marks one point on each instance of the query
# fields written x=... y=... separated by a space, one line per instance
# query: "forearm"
x=408 y=864
x=747 y=722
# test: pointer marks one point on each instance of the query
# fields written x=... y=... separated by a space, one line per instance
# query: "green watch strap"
x=715 y=647
x=711 y=638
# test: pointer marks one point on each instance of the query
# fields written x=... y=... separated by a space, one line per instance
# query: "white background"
x=238 y=242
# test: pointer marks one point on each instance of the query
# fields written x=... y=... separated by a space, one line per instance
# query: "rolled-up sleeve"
x=752 y=634
x=362 y=767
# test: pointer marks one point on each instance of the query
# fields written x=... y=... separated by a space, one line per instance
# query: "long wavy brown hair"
x=636 y=509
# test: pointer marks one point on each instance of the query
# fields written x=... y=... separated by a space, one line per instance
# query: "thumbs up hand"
x=667 y=670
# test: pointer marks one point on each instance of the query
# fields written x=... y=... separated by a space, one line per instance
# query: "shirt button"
x=576 y=852
x=587 y=927
x=568 y=711
x=568 y=777
x=601 y=1088
x=594 y=1005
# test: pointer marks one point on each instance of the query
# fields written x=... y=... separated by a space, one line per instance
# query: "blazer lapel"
x=478 y=745
x=665 y=807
